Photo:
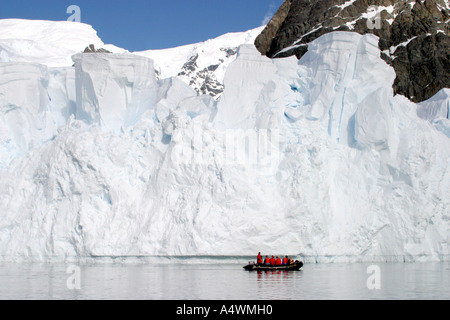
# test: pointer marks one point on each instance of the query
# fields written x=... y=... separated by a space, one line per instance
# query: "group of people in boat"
x=274 y=261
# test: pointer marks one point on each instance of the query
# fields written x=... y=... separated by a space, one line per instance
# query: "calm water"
x=222 y=282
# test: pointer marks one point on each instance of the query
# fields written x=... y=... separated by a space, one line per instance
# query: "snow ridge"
x=46 y=42
x=201 y=65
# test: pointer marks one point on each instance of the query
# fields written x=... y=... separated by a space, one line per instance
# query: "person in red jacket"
x=272 y=261
x=267 y=260
x=278 y=261
x=286 y=261
x=259 y=259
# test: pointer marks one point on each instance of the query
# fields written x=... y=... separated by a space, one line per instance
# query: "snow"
x=445 y=6
x=296 y=45
x=437 y=111
x=314 y=157
x=346 y=4
x=46 y=42
x=372 y=14
x=113 y=90
x=392 y=49
x=247 y=80
x=169 y=62
x=24 y=118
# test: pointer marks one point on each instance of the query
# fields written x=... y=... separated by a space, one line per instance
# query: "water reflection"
x=224 y=282
x=273 y=284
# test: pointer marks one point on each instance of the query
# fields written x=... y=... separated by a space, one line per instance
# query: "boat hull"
x=261 y=267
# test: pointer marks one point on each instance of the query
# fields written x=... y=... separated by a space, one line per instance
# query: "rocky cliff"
x=413 y=36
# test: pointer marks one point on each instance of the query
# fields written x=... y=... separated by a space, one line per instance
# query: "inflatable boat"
x=263 y=267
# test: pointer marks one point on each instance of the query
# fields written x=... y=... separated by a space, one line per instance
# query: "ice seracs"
x=114 y=90
x=24 y=117
x=249 y=78
x=201 y=65
x=437 y=111
x=114 y=162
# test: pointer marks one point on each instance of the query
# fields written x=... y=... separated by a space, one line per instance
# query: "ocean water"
x=222 y=281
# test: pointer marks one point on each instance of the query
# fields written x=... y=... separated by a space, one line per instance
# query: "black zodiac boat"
x=262 y=267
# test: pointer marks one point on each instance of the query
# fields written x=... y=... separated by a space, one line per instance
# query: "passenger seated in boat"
x=267 y=261
x=285 y=261
x=272 y=261
x=278 y=261
x=259 y=259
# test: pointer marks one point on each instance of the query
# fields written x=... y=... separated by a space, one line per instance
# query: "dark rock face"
x=203 y=80
x=264 y=41
x=422 y=67
x=91 y=49
x=414 y=36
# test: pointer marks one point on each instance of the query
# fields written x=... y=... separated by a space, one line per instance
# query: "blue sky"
x=149 y=24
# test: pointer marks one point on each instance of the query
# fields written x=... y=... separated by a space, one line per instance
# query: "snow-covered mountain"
x=414 y=36
x=201 y=65
x=114 y=157
x=51 y=43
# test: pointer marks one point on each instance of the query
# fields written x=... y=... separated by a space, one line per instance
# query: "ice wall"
x=247 y=81
x=23 y=105
x=437 y=111
x=113 y=90
x=374 y=175
x=34 y=102
x=344 y=169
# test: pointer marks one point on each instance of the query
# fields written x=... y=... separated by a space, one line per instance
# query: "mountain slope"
x=46 y=42
x=201 y=65
x=414 y=36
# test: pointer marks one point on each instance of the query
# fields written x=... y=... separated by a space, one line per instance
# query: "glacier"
x=314 y=157
x=437 y=111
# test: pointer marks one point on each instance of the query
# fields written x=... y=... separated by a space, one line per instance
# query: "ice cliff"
x=414 y=36
x=315 y=156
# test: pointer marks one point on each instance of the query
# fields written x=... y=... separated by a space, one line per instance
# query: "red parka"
x=278 y=261
x=259 y=259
